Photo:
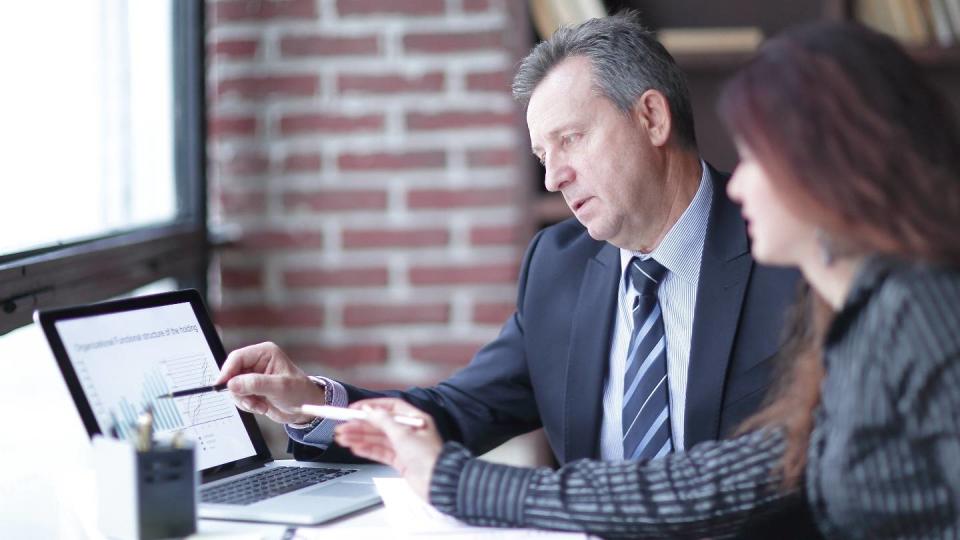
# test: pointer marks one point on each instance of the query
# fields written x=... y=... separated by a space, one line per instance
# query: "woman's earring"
x=827 y=249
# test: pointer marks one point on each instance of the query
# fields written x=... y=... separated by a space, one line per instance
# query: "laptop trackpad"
x=342 y=489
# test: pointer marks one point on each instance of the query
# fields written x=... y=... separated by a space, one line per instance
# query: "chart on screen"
x=126 y=361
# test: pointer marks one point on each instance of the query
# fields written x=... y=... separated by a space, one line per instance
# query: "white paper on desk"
x=410 y=514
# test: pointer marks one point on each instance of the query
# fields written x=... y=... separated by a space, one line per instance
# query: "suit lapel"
x=724 y=274
x=589 y=350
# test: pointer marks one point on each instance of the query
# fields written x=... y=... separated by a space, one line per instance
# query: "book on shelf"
x=548 y=15
x=905 y=24
x=941 y=23
x=711 y=40
x=913 y=22
x=916 y=21
x=877 y=14
x=953 y=15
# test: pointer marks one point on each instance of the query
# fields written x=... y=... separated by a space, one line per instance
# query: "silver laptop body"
x=310 y=505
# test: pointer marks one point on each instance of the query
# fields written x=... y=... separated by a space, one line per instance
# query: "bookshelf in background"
x=739 y=26
x=919 y=24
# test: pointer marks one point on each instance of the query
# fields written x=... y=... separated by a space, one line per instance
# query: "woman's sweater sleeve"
x=710 y=490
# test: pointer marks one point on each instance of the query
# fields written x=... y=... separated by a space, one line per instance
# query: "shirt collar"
x=681 y=249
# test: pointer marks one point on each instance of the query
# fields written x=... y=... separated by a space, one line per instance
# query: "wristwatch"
x=327 y=394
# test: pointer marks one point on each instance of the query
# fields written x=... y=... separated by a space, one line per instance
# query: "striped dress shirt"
x=883 y=461
x=680 y=252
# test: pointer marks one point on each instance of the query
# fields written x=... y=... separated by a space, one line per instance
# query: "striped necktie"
x=646 y=411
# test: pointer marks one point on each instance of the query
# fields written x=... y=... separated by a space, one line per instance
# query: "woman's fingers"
x=353 y=438
x=381 y=454
x=368 y=446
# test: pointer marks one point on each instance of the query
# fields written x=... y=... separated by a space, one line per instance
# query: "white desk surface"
x=46 y=478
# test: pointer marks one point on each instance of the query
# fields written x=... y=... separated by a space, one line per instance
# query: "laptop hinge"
x=225 y=471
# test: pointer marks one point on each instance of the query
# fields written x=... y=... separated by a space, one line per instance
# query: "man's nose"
x=557 y=176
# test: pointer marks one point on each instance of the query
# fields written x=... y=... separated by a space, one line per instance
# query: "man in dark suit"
x=643 y=326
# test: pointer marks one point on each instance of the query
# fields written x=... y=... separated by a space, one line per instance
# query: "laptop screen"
x=125 y=360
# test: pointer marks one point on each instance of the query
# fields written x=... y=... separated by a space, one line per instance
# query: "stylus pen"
x=198 y=390
x=342 y=413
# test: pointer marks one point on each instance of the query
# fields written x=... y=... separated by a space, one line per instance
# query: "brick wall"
x=369 y=157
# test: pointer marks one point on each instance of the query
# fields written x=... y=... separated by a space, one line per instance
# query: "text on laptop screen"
x=126 y=360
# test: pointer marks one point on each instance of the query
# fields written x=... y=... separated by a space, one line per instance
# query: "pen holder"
x=145 y=495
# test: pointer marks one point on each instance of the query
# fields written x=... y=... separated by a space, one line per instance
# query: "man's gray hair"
x=626 y=59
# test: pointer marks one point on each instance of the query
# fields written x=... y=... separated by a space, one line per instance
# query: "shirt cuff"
x=446 y=477
x=478 y=491
x=320 y=432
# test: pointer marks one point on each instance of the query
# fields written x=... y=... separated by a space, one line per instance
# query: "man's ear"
x=652 y=111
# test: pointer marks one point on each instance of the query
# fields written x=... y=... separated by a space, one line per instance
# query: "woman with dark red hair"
x=849 y=171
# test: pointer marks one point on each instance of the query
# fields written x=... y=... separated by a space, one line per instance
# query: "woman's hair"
x=849 y=130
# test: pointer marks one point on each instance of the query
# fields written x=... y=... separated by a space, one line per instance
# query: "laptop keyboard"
x=268 y=483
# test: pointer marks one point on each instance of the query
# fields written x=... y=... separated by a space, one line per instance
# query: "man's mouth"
x=577 y=204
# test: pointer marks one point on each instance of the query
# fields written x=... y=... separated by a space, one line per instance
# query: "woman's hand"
x=411 y=451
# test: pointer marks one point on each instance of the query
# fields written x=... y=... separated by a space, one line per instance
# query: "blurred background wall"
x=369 y=170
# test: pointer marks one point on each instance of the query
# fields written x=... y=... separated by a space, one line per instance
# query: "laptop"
x=117 y=357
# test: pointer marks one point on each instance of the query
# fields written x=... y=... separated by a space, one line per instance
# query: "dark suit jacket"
x=547 y=366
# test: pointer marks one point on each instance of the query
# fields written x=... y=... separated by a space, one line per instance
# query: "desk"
x=47 y=487
x=46 y=479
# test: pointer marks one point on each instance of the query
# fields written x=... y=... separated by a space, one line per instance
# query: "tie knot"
x=645 y=275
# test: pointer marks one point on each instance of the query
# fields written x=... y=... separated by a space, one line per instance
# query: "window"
x=104 y=151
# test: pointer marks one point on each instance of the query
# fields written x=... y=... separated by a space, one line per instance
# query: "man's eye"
x=569 y=138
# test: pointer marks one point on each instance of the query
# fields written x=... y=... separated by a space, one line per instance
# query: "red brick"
x=374 y=238
x=497 y=157
x=236 y=203
x=235 y=48
x=240 y=10
x=389 y=84
x=393 y=7
x=246 y=164
x=318 y=45
x=457 y=354
x=300 y=163
x=329 y=123
x=265 y=85
x=490 y=81
x=281 y=240
x=391 y=161
x=331 y=200
x=271 y=316
x=458 y=198
x=241 y=278
x=432 y=42
x=493 y=312
x=344 y=277
x=338 y=356
x=494 y=235
x=471 y=6
x=381 y=314
x=221 y=126
x=457 y=120
x=480 y=274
